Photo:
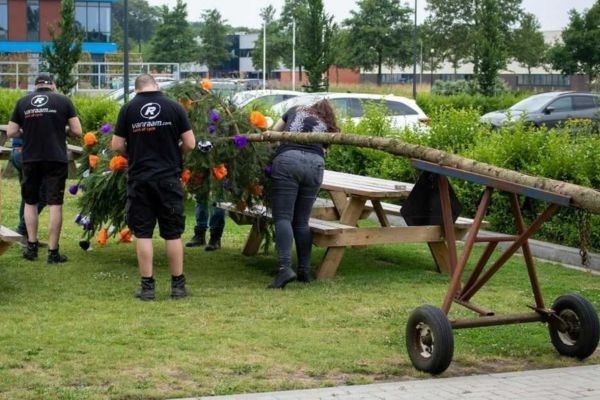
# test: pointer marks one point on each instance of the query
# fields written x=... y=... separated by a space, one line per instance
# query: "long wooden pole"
x=582 y=197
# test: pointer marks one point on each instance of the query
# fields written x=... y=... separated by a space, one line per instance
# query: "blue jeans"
x=16 y=159
x=207 y=216
x=297 y=176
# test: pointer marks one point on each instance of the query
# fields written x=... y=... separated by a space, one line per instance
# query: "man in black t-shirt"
x=153 y=131
x=42 y=117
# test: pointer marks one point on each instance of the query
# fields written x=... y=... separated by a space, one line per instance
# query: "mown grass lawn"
x=74 y=331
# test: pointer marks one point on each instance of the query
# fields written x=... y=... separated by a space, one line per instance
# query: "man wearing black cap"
x=40 y=119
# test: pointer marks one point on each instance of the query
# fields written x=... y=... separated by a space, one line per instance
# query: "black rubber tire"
x=429 y=340
x=579 y=338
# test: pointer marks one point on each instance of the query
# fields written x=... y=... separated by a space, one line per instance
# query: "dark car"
x=549 y=109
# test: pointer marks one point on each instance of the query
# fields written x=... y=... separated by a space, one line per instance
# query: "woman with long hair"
x=297 y=176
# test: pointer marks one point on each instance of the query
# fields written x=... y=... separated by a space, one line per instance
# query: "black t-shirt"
x=299 y=120
x=43 y=116
x=152 y=125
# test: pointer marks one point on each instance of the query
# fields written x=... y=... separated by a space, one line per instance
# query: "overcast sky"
x=552 y=14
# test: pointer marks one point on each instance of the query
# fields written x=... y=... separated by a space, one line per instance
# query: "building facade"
x=24 y=26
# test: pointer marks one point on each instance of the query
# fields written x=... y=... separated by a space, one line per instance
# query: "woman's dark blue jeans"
x=297 y=176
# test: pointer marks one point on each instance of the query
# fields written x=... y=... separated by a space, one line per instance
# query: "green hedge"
x=571 y=154
x=431 y=102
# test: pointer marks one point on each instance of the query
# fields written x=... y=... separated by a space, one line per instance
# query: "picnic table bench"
x=335 y=226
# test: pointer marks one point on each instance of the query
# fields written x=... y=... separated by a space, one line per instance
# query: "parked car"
x=267 y=97
x=401 y=110
x=119 y=94
x=548 y=109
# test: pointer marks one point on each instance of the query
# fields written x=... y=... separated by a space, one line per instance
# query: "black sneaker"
x=196 y=241
x=213 y=244
x=179 y=292
x=304 y=275
x=54 y=257
x=30 y=252
x=284 y=276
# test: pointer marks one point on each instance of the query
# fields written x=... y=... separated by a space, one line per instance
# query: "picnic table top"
x=364 y=186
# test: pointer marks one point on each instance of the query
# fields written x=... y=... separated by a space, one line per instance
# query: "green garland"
x=223 y=167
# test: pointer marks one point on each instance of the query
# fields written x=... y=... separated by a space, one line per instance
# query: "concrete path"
x=582 y=382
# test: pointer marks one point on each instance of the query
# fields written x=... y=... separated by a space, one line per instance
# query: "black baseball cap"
x=44 y=79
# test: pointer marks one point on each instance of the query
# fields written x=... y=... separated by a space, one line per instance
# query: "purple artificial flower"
x=240 y=141
x=73 y=189
x=211 y=129
x=78 y=219
x=106 y=128
x=214 y=115
x=268 y=170
x=226 y=184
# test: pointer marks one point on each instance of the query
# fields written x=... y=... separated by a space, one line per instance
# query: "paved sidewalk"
x=550 y=384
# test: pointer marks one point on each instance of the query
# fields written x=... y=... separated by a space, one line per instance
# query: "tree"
x=142 y=20
x=315 y=33
x=275 y=43
x=458 y=26
x=214 y=44
x=173 y=41
x=380 y=33
x=528 y=45
x=65 y=50
x=579 y=52
x=491 y=52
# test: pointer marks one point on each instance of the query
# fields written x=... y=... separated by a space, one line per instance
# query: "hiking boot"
x=213 y=244
x=284 y=276
x=304 y=275
x=197 y=241
x=178 y=289
x=30 y=252
x=144 y=294
x=54 y=257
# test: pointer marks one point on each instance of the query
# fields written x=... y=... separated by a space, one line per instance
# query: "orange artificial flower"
x=219 y=172
x=185 y=176
x=90 y=139
x=102 y=236
x=125 y=235
x=257 y=189
x=186 y=103
x=93 y=160
x=258 y=119
x=206 y=84
x=117 y=163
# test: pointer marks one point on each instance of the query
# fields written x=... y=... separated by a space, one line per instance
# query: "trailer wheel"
x=576 y=332
x=429 y=339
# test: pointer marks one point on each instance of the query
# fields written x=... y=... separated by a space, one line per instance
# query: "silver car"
x=548 y=109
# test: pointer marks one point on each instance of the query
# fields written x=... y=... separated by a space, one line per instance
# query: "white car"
x=402 y=111
x=118 y=95
x=266 y=97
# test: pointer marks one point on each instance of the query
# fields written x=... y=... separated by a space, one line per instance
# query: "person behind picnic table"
x=153 y=131
x=40 y=119
x=297 y=174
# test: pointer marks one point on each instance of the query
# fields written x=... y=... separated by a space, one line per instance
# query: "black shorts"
x=148 y=202
x=52 y=174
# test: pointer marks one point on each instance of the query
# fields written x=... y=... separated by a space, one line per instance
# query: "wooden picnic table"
x=336 y=227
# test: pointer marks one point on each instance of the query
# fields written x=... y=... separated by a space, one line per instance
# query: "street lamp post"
x=432 y=51
x=294 y=54
x=125 y=52
x=414 y=86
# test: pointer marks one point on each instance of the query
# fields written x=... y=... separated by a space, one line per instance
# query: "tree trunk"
x=582 y=197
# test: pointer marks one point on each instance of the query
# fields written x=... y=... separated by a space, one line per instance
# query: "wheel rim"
x=424 y=340
x=569 y=331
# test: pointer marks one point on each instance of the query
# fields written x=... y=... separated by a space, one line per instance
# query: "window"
x=3 y=19
x=583 y=102
x=94 y=18
x=562 y=104
x=397 y=108
x=33 y=20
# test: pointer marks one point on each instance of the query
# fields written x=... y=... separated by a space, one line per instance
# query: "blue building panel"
x=36 y=47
